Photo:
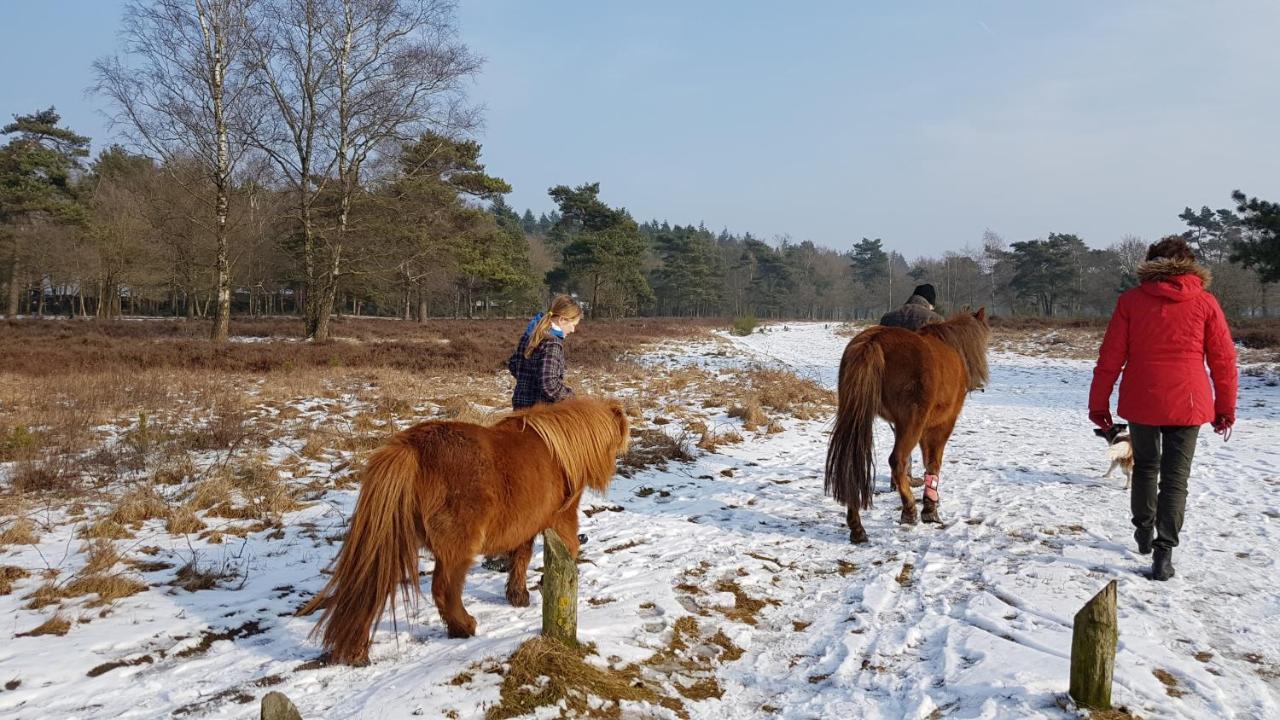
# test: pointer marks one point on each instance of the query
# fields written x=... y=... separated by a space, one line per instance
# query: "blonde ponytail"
x=562 y=306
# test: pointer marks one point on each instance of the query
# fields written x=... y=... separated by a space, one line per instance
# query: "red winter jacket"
x=1161 y=335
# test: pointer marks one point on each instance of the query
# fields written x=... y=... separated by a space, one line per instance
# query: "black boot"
x=1143 y=537
x=1162 y=564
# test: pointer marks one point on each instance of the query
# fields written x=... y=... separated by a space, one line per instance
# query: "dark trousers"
x=1161 y=465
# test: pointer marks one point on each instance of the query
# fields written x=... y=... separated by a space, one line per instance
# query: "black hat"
x=926 y=291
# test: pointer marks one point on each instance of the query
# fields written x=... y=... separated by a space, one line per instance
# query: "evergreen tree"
x=1259 y=248
x=1047 y=271
x=38 y=169
x=602 y=251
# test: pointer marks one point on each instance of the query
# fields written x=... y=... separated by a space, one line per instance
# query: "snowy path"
x=971 y=620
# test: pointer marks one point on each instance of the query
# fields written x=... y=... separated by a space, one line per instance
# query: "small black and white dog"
x=1119 y=450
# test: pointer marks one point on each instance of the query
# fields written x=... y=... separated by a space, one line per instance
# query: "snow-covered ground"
x=969 y=620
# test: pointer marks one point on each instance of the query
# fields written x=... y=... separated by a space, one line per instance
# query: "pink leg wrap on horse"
x=931 y=488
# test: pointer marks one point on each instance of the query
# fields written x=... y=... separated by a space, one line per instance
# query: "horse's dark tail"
x=380 y=553
x=850 y=470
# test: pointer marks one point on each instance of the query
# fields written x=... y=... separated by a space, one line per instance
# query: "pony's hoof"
x=457 y=633
x=909 y=518
x=518 y=597
x=463 y=631
x=931 y=516
x=857 y=537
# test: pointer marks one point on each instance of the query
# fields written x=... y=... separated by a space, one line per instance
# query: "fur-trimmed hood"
x=1163 y=268
x=1176 y=280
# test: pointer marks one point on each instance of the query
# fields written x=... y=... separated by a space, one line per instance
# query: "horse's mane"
x=584 y=435
x=968 y=335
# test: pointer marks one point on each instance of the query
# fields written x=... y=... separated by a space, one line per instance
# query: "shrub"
x=744 y=325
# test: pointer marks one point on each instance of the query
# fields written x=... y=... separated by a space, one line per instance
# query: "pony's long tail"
x=850 y=470
x=380 y=554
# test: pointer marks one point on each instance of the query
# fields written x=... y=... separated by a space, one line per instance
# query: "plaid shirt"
x=540 y=377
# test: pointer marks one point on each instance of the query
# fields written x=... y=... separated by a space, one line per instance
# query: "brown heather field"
x=137 y=428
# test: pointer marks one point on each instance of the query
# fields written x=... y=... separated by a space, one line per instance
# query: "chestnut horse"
x=459 y=490
x=917 y=381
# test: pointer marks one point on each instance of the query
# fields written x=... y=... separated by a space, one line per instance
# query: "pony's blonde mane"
x=585 y=435
x=968 y=336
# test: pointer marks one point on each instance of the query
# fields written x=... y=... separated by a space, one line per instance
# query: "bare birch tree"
x=398 y=70
x=182 y=90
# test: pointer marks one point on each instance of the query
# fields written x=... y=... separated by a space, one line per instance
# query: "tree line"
x=314 y=157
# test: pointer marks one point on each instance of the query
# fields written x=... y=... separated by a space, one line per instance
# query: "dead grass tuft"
x=786 y=392
x=748 y=410
x=100 y=556
x=49 y=474
x=651 y=447
x=460 y=409
x=9 y=574
x=545 y=673
x=56 y=625
x=19 y=531
x=194 y=578
x=210 y=491
x=228 y=428
x=107 y=529
x=259 y=493
x=183 y=521
x=745 y=608
x=108 y=588
x=1170 y=682
x=139 y=505
x=44 y=596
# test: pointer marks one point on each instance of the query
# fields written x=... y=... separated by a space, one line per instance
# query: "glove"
x=1101 y=418
x=1222 y=424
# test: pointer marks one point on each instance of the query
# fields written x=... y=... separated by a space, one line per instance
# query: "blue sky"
x=920 y=123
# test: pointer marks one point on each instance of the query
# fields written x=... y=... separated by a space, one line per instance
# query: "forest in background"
x=317 y=157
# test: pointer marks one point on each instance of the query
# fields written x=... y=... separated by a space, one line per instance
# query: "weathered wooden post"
x=275 y=706
x=559 y=590
x=1093 y=650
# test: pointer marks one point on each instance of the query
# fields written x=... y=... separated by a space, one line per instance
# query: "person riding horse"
x=916 y=312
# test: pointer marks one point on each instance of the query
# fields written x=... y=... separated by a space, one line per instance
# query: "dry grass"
x=210 y=491
x=193 y=578
x=139 y=505
x=19 y=531
x=252 y=490
x=789 y=393
x=108 y=588
x=749 y=411
x=745 y=608
x=100 y=556
x=460 y=409
x=106 y=529
x=38 y=348
x=545 y=673
x=651 y=447
x=183 y=521
x=56 y=625
x=1170 y=682
x=9 y=574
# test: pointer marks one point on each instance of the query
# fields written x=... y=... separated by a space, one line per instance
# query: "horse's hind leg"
x=905 y=437
x=446 y=589
x=517 y=590
x=932 y=445
x=857 y=535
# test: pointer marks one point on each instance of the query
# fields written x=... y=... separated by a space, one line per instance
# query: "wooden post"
x=559 y=590
x=275 y=706
x=1093 y=650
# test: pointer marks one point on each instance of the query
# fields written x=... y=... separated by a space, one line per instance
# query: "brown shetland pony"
x=917 y=381
x=459 y=490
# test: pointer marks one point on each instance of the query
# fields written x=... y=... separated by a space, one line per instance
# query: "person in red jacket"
x=1160 y=337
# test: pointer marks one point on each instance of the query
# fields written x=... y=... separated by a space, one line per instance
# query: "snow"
x=978 y=625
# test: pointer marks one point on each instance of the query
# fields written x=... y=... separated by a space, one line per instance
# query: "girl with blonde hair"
x=538 y=362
